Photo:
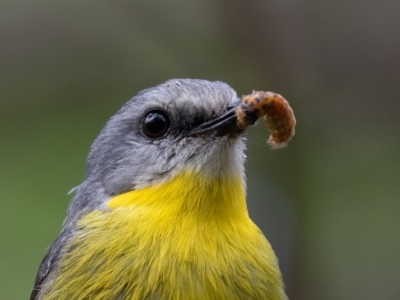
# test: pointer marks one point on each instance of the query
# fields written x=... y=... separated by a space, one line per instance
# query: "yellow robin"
x=161 y=213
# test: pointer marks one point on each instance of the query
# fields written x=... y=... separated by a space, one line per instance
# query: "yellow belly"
x=189 y=238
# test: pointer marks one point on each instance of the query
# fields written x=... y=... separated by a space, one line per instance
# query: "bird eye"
x=155 y=124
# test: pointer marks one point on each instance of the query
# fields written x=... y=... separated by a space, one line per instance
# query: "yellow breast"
x=188 y=238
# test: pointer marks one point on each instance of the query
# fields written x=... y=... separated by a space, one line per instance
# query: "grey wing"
x=49 y=263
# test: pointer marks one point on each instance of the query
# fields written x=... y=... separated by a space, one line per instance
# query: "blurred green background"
x=329 y=203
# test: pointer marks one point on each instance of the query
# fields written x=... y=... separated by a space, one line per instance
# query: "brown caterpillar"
x=277 y=114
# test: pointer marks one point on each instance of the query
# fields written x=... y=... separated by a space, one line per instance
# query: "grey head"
x=183 y=123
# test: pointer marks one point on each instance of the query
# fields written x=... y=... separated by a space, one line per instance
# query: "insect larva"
x=277 y=114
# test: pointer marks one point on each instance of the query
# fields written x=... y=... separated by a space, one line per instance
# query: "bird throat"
x=190 y=194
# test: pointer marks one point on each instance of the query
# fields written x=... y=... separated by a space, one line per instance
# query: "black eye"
x=155 y=124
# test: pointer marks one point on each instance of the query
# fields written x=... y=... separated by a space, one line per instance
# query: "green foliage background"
x=329 y=203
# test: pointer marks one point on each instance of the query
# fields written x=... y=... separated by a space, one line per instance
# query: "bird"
x=161 y=212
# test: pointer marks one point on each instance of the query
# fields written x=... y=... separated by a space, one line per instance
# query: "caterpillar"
x=276 y=111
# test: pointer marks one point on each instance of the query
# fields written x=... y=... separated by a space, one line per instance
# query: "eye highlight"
x=155 y=124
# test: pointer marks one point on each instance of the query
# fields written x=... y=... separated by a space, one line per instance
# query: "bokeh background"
x=329 y=203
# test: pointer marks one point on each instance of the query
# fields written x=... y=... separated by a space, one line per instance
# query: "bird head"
x=183 y=125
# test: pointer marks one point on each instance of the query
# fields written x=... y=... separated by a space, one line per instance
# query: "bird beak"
x=225 y=124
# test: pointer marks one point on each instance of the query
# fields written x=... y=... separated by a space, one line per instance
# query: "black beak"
x=222 y=125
